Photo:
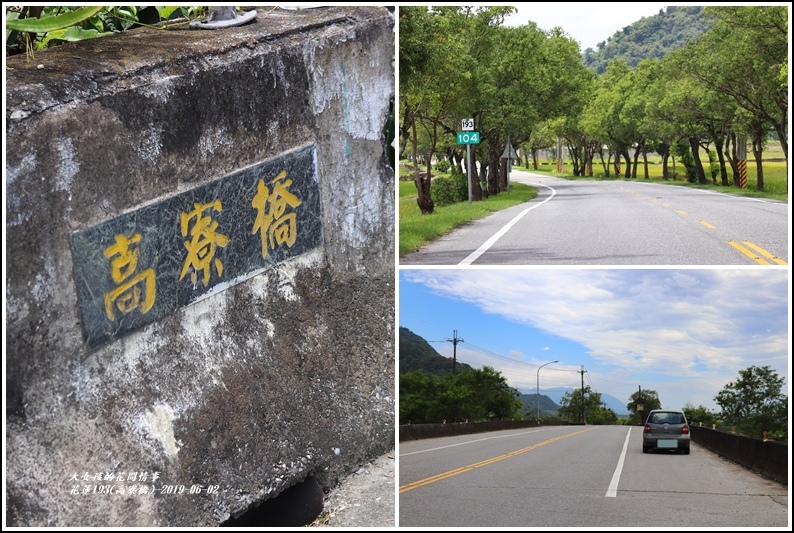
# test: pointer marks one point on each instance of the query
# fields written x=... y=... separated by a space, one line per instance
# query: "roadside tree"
x=641 y=403
x=755 y=403
x=595 y=411
x=699 y=416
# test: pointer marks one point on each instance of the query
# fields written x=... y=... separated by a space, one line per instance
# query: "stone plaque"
x=136 y=268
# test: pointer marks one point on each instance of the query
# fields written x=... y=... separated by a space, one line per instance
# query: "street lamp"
x=537 y=395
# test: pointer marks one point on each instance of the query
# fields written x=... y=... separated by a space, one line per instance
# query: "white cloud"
x=690 y=329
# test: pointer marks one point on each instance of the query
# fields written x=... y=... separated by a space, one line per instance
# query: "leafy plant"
x=52 y=23
x=755 y=402
x=448 y=190
x=34 y=28
x=443 y=166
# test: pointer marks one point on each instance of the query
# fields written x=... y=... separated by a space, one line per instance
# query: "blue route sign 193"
x=468 y=137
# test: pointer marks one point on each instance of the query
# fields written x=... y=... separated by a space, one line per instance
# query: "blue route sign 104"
x=468 y=137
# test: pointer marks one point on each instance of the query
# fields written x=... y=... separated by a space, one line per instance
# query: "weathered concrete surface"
x=264 y=381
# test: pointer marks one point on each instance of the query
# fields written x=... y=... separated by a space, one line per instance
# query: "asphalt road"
x=618 y=223
x=578 y=476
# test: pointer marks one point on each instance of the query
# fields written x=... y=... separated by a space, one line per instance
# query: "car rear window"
x=667 y=418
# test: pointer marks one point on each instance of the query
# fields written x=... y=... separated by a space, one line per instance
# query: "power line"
x=488 y=353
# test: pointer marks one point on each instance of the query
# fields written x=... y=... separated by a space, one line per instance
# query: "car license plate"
x=667 y=443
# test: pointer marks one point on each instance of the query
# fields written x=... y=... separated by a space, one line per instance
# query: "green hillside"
x=650 y=37
x=547 y=406
x=417 y=354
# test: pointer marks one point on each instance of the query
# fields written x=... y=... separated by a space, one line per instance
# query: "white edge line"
x=612 y=491
x=534 y=430
x=496 y=236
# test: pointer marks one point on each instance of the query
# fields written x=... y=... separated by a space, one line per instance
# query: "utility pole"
x=454 y=340
x=640 y=405
x=582 y=371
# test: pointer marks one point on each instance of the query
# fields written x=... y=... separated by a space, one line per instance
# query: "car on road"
x=665 y=430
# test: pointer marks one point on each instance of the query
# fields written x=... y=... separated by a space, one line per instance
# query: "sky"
x=684 y=333
x=589 y=23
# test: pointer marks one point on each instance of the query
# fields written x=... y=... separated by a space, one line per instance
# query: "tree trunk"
x=645 y=161
x=694 y=144
x=605 y=164
x=493 y=177
x=758 y=149
x=636 y=161
x=627 y=157
x=476 y=187
x=713 y=172
x=405 y=130
x=664 y=151
x=575 y=160
x=732 y=157
x=423 y=198
x=721 y=157
x=782 y=134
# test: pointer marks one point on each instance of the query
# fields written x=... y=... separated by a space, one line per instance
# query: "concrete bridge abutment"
x=200 y=262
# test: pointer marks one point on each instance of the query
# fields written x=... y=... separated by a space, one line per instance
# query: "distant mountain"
x=556 y=394
x=417 y=354
x=650 y=37
x=531 y=405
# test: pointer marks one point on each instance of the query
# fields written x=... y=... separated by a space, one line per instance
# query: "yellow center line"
x=486 y=462
x=683 y=213
x=766 y=254
x=748 y=253
x=706 y=224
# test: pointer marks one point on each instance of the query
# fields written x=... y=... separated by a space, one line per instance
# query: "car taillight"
x=685 y=430
x=647 y=428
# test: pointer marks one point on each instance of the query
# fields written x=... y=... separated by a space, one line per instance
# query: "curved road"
x=579 y=477
x=618 y=223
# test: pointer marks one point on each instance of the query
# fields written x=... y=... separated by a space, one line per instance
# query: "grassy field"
x=774 y=164
x=416 y=229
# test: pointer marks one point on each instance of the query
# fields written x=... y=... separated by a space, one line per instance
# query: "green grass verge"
x=417 y=229
x=775 y=178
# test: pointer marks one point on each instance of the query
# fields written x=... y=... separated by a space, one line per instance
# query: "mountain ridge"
x=556 y=394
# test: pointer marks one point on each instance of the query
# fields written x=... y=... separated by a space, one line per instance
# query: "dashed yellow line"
x=754 y=255
x=486 y=462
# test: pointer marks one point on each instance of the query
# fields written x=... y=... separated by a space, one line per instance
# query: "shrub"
x=443 y=166
x=447 y=190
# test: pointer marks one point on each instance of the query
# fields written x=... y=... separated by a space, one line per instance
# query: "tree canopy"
x=755 y=402
x=641 y=403
x=478 y=395
x=594 y=411
x=721 y=79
